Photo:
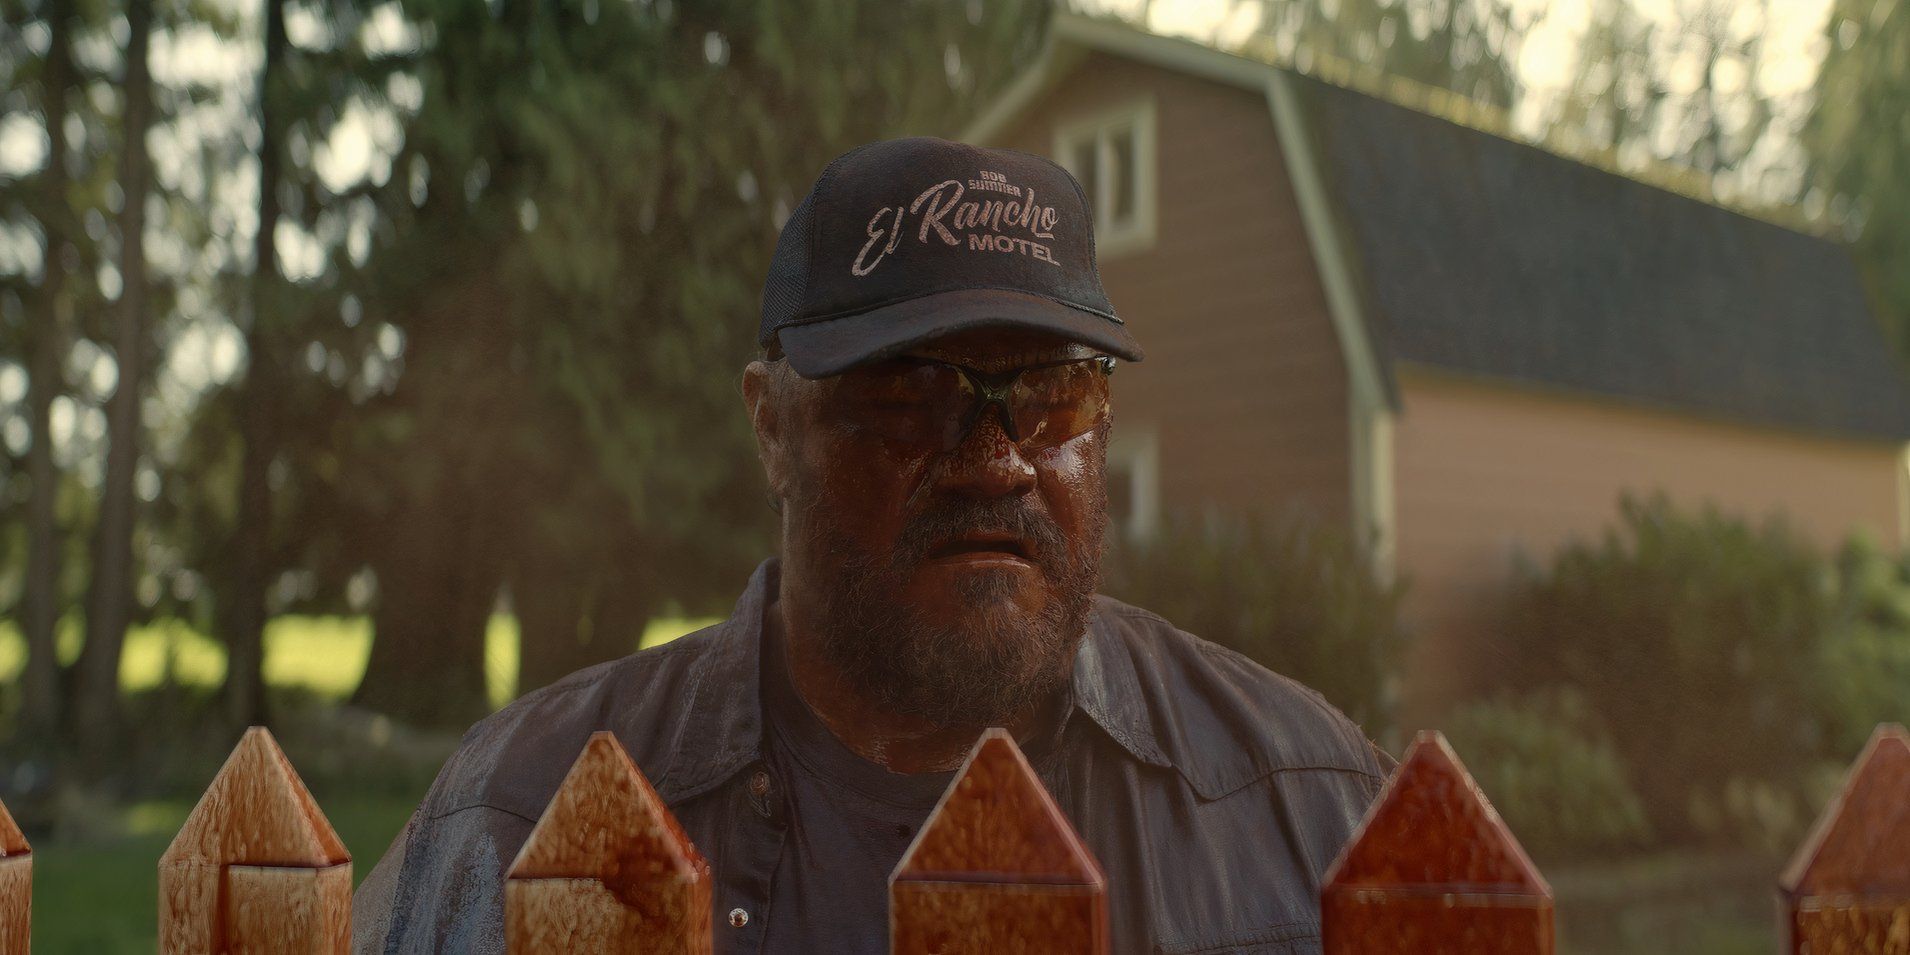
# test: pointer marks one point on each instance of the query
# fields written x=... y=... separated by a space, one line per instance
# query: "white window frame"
x=1137 y=233
x=1138 y=449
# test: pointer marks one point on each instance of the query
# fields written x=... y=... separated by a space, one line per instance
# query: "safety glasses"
x=933 y=404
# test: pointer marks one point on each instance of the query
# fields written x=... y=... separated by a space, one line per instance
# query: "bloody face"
x=946 y=576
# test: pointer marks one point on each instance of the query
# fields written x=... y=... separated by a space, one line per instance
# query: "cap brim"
x=833 y=346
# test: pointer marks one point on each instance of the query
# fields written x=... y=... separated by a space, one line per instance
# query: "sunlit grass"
x=325 y=655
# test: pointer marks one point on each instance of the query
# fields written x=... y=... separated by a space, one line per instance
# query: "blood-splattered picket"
x=607 y=869
x=256 y=867
x=1434 y=871
x=998 y=869
x=1848 y=888
x=16 y=887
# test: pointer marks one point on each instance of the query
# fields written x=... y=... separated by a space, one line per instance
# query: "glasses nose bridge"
x=996 y=390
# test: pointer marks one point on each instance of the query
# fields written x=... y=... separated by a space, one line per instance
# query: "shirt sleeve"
x=444 y=892
x=371 y=905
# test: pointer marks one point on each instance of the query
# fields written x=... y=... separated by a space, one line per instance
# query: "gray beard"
x=984 y=669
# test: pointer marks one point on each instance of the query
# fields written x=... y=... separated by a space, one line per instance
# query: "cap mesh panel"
x=788 y=279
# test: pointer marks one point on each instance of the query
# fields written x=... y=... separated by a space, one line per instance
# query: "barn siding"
x=1244 y=381
x=1485 y=471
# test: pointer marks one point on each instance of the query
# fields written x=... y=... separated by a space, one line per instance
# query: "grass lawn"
x=324 y=654
x=102 y=897
x=1716 y=902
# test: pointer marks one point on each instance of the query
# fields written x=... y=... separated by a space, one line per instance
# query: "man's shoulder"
x=1216 y=716
x=439 y=888
x=533 y=741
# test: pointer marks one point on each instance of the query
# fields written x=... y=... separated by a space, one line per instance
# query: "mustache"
x=1047 y=546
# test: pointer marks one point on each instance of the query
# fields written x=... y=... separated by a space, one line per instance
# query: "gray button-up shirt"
x=1213 y=792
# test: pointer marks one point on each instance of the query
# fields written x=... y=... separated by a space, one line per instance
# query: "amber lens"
x=932 y=404
x=912 y=402
x=1058 y=402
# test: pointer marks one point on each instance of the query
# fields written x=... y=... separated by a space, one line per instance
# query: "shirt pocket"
x=1291 y=938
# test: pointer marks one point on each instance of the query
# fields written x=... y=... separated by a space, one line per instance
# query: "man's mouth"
x=982 y=546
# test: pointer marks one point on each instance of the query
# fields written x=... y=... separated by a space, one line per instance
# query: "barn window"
x=1112 y=153
x=1134 y=479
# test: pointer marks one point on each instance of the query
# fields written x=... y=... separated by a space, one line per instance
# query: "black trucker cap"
x=906 y=240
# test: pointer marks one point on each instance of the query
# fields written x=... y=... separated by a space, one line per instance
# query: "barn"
x=1460 y=347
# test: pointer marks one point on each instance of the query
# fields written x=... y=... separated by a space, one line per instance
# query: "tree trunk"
x=438 y=578
x=627 y=598
x=442 y=541
x=576 y=610
x=40 y=708
x=549 y=598
x=243 y=609
x=109 y=593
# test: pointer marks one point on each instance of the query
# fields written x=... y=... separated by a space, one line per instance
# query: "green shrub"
x=1772 y=818
x=1296 y=598
x=1700 y=643
x=1548 y=768
x=1867 y=659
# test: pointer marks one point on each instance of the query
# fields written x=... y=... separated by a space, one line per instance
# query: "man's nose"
x=987 y=463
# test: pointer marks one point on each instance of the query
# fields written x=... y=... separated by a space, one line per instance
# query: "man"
x=932 y=412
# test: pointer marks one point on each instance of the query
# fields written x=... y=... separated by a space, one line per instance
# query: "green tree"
x=52 y=303
x=110 y=590
x=242 y=598
x=1722 y=120
x=255 y=502
x=45 y=339
x=135 y=152
x=1678 y=97
x=304 y=93
x=1858 y=141
x=1617 y=87
x=1467 y=47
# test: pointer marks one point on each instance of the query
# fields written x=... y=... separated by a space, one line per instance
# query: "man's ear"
x=764 y=399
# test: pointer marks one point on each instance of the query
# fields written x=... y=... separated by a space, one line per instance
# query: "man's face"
x=951 y=585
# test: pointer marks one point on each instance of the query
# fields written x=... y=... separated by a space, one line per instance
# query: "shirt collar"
x=722 y=728
x=1108 y=689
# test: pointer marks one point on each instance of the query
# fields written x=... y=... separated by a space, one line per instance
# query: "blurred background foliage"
x=1553 y=772
x=1698 y=640
x=1692 y=678
x=498 y=353
x=1295 y=597
x=365 y=363
x=1712 y=674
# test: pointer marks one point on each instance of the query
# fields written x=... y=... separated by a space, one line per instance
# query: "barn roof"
x=1491 y=257
x=1463 y=250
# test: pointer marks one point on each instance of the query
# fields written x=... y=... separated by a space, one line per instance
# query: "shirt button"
x=760 y=796
x=739 y=918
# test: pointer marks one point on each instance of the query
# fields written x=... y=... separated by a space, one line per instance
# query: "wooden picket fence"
x=997 y=869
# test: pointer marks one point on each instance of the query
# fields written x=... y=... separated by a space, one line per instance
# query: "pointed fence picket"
x=607 y=869
x=16 y=887
x=1848 y=888
x=256 y=867
x=996 y=869
x=1434 y=871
